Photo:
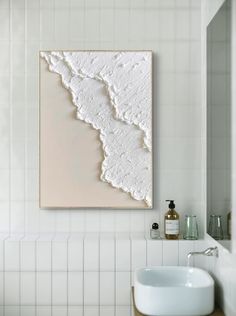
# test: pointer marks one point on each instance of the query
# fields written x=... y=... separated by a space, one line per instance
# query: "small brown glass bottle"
x=171 y=222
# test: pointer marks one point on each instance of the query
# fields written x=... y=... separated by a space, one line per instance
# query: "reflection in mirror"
x=219 y=125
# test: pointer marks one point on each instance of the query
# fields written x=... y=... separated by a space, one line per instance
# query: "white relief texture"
x=112 y=91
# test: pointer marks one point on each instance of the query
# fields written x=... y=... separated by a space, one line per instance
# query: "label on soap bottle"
x=172 y=227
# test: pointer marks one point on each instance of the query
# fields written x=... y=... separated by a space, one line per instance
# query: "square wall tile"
x=59 y=310
x=170 y=252
x=4 y=219
x=123 y=288
x=106 y=24
x=33 y=25
x=107 y=254
x=17 y=154
x=167 y=23
x=137 y=221
x=77 y=24
x=12 y=255
x=121 y=25
x=1 y=289
x=182 y=25
x=91 y=254
x=18 y=24
x=4 y=155
x=18 y=66
x=4 y=184
x=107 y=222
x=154 y=252
x=28 y=288
x=12 y=310
x=138 y=253
x=107 y=288
x=91 y=310
x=18 y=185
x=43 y=288
x=61 y=24
x=5 y=4
x=32 y=217
x=75 y=288
x=18 y=216
x=5 y=58
x=92 y=25
x=28 y=310
x=1 y=255
x=75 y=255
x=20 y=4
x=123 y=254
x=43 y=310
x=5 y=22
x=75 y=311
x=122 y=221
x=12 y=288
x=91 y=288
x=44 y=255
x=123 y=310
x=59 y=288
x=33 y=4
x=59 y=256
x=46 y=4
x=107 y=310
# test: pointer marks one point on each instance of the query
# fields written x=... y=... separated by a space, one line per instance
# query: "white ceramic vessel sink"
x=173 y=291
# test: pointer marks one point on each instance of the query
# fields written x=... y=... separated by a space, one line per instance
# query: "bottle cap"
x=171 y=204
x=155 y=226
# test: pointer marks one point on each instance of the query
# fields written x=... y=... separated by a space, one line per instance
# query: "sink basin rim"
x=190 y=271
x=153 y=298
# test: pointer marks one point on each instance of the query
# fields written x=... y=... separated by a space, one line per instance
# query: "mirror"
x=219 y=126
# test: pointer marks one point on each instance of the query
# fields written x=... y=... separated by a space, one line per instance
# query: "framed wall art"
x=96 y=129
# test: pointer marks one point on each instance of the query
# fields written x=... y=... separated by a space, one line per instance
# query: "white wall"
x=172 y=30
x=76 y=275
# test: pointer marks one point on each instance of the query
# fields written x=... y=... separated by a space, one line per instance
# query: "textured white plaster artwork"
x=112 y=91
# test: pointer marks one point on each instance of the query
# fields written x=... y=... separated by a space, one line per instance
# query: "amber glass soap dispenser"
x=171 y=222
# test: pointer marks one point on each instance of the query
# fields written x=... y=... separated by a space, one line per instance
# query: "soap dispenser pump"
x=171 y=222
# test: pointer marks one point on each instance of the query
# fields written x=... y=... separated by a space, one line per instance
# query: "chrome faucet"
x=211 y=251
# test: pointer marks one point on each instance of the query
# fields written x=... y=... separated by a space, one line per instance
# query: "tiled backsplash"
x=58 y=275
x=78 y=274
x=171 y=29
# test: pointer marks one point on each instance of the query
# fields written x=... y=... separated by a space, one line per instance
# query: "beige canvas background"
x=71 y=154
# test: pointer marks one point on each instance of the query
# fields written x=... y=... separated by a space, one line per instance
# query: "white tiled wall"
x=78 y=274
x=59 y=275
x=171 y=29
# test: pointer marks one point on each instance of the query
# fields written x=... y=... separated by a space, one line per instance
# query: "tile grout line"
x=83 y=276
x=51 y=274
x=67 y=273
x=36 y=281
x=10 y=110
x=131 y=272
x=25 y=116
x=4 y=279
x=99 y=274
x=115 y=268
x=20 y=273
